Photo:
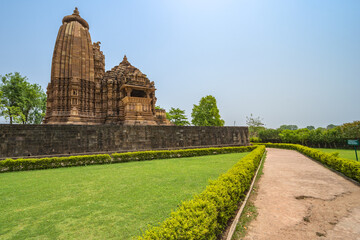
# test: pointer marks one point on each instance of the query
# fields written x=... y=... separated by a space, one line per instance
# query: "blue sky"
x=287 y=61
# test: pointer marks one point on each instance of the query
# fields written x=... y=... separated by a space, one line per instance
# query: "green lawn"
x=344 y=153
x=114 y=201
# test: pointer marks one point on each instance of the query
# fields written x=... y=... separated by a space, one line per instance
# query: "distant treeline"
x=334 y=137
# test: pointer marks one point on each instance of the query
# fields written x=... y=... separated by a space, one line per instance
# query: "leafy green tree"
x=206 y=113
x=288 y=127
x=289 y=136
x=316 y=137
x=21 y=102
x=310 y=127
x=350 y=130
x=178 y=117
x=330 y=126
x=332 y=137
x=303 y=135
x=269 y=134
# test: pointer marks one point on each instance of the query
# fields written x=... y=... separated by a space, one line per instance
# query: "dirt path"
x=300 y=199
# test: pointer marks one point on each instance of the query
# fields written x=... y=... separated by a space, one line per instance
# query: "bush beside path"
x=300 y=199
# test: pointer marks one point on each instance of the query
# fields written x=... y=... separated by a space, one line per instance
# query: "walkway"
x=300 y=199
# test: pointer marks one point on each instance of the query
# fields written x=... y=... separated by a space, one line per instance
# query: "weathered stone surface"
x=30 y=140
x=81 y=92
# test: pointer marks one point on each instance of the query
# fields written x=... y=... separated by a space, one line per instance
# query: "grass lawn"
x=344 y=153
x=115 y=201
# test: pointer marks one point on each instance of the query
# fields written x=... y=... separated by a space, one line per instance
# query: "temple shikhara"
x=81 y=92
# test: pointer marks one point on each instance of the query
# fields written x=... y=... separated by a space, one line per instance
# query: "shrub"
x=349 y=168
x=207 y=214
x=56 y=162
x=255 y=139
x=149 y=155
x=22 y=164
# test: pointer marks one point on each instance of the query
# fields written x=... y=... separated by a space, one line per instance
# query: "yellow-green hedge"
x=149 y=155
x=348 y=167
x=207 y=214
x=23 y=164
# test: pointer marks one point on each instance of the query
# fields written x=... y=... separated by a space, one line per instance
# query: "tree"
x=331 y=126
x=255 y=125
x=303 y=135
x=254 y=121
x=178 y=117
x=21 y=102
x=310 y=128
x=269 y=134
x=289 y=136
x=351 y=130
x=288 y=127
x=206 y=113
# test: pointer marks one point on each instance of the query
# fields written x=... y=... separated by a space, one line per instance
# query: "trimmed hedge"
x=149 y=155
x=207 y=214
x=23 y=164
x=349 y=168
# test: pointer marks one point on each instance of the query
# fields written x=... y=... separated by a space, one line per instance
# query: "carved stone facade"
x=81 y=92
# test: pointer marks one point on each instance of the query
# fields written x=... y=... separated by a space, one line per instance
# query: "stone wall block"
x=40 y=140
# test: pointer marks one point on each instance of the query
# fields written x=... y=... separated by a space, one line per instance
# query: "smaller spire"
x=125 y=61
x=76 y=12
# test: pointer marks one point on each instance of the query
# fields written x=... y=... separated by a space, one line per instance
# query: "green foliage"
x=177 y=116
x=351 y=130
x=207 y=215
x=288 y=127
x=289 y=136
x=331 y=126
x=56 y=162
x=255 y=126
x=21 y=102
x=269 y=134
x=23 y=164
x=255 y=139
x=254 y=121
x=310 y=127
x=206 y=113
x=320 y=137
x=349 y=168
x=162 y=154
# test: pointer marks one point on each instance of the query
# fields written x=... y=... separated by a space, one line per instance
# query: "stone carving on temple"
x=81 y=92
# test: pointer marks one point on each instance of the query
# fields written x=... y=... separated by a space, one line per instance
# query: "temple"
x=81 y=92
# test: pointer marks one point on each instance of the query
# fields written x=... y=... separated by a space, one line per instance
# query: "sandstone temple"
x=81 y=92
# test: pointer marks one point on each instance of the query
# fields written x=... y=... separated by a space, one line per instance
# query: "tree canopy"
x=206 y=113
x=319 y=137
x=178 y=117
x=310 y=127
x=288 y=127
x=21 y=101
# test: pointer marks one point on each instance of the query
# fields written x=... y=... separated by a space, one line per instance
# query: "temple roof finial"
x=76 y=12
x=125 y=61
x=76 y=17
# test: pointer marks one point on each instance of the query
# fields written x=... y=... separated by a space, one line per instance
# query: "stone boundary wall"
x=52 y=140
